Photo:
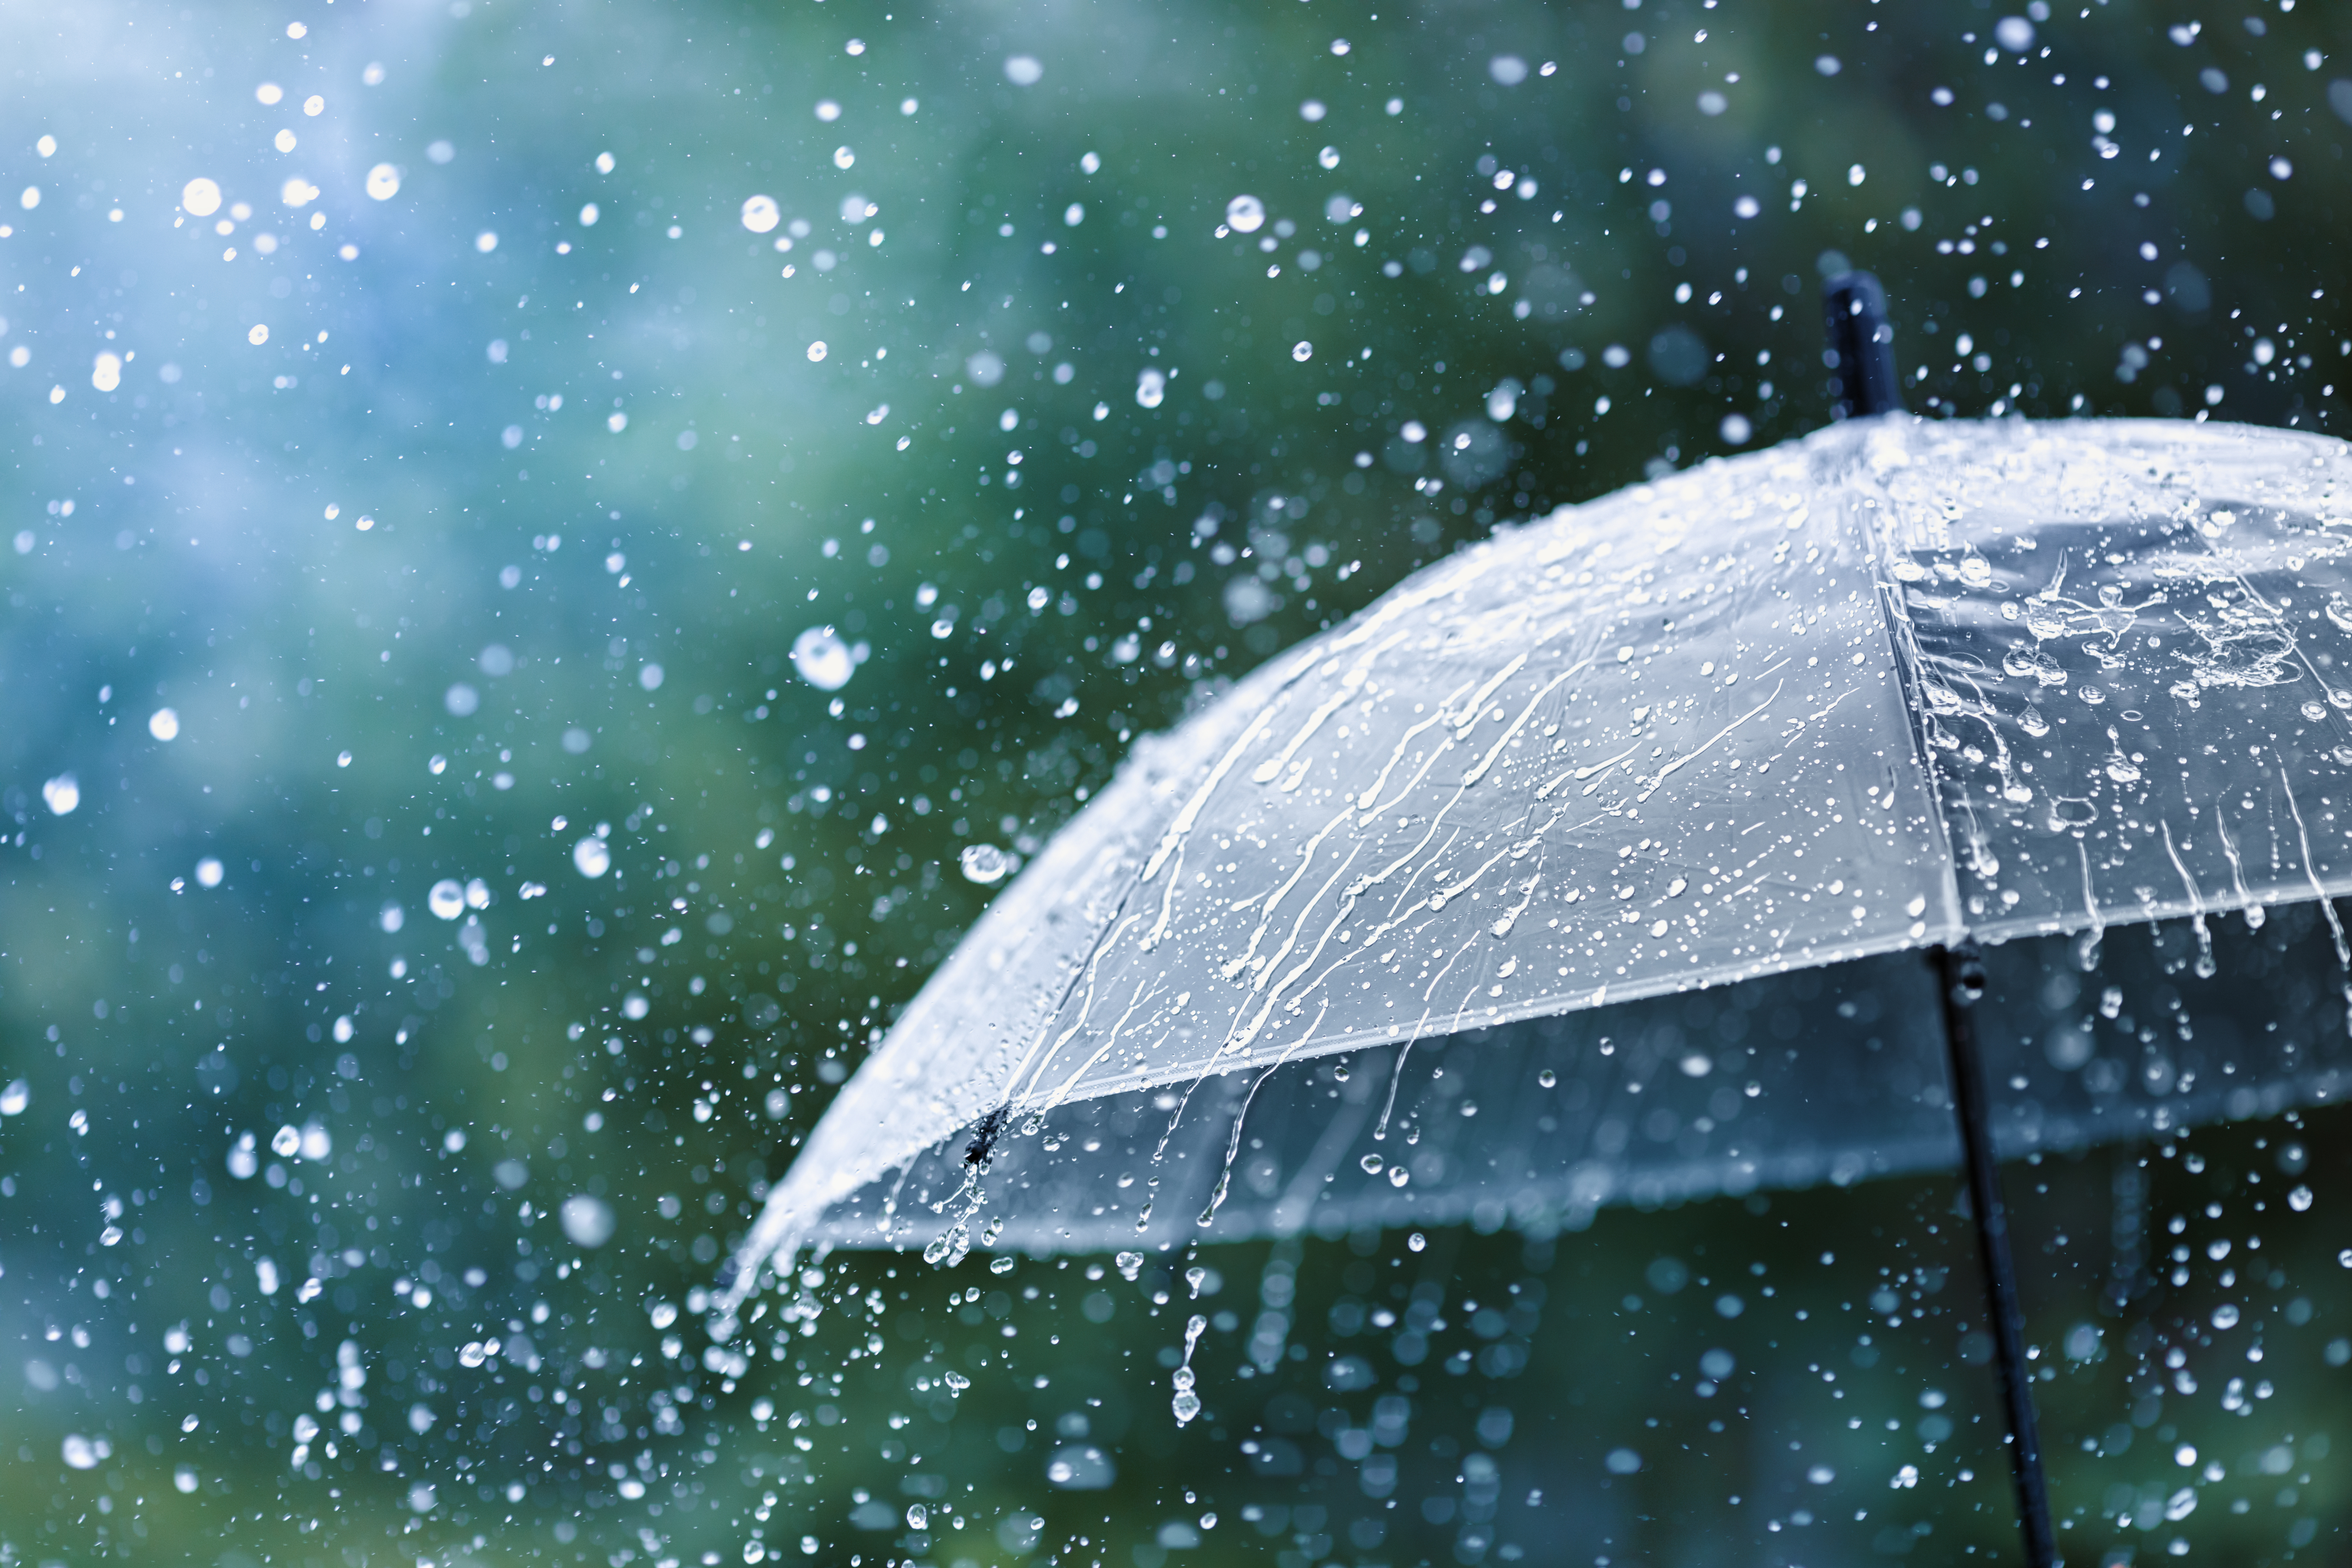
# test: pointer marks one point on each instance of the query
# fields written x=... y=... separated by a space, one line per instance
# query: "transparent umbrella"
x=1595 y=863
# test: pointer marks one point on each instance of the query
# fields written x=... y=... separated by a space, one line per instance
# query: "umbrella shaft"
x=1962 y=978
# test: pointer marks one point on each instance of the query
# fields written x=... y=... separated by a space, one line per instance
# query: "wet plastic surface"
x=1685 y=736
x=1535 y=1125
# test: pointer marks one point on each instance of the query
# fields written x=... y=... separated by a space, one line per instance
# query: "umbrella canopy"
x=1760 y=731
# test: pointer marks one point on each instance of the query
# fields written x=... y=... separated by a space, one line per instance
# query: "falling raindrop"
x=1245 y=215
x=588 y=1221
x=1075 y=1467
x=1186 y=1405
x=985 y=864
x=823 y=659
x=592 y=856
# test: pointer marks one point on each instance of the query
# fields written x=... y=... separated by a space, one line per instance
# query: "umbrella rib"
x=1911 y=667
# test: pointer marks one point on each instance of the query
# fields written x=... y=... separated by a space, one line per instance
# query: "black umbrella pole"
x=1962 y=974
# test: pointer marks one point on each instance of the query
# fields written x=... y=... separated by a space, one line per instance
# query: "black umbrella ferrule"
x=1861 y=346
x=1960 y=970
x=983 y=1147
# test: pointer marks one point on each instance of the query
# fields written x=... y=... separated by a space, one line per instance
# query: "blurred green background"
x=461 y=480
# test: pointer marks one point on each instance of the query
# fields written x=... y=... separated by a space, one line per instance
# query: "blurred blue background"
x=541 y=537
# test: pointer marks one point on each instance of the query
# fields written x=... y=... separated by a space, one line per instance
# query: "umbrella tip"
x=983 y=1147
x=1861 y=346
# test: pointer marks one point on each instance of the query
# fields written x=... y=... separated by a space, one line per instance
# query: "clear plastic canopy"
x=1892 y=685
